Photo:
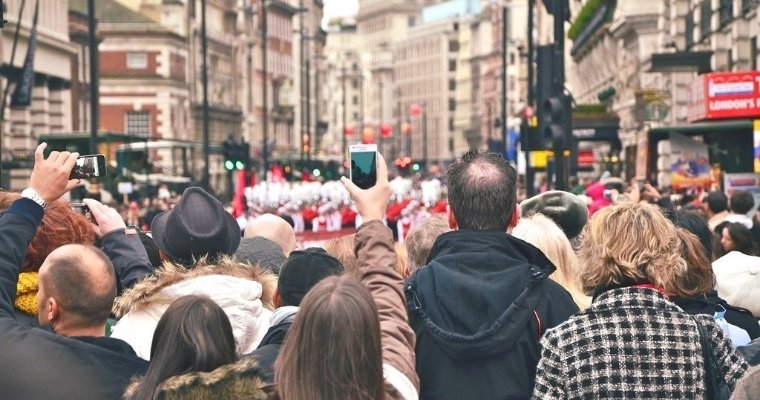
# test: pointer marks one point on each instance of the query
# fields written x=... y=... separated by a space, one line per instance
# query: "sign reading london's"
x=725 y=95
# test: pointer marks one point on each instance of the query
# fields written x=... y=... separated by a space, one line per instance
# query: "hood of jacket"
x=473 y=296
x=281 y=320
x=237 y=381
x=240 y=290
x=140 y=295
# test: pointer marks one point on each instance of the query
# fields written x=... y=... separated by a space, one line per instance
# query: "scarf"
x=26 y=292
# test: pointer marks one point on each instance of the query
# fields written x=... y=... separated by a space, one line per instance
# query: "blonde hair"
x=402 y=264
x=631 y=241
x=543 y=233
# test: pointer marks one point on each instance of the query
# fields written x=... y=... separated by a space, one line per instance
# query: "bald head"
x=82 y=281
x=274 y=228
x=482 y=191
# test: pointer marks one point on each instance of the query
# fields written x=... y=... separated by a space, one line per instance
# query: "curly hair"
x=60 y=226
x=631 y=242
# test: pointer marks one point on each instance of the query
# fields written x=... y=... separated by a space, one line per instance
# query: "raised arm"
x=377 y=271
x=49 y=181
x=126 y=251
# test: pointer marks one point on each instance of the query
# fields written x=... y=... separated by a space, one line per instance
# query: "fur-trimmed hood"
x=242 y=291
x=169 y=273
x=238 y=381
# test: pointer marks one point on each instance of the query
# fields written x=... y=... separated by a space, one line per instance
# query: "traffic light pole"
x=561 y=147
x=307 y=146
x=344 y=139
x=265 y=101
x=505 y=76
x=206 y=178
x=530 y=173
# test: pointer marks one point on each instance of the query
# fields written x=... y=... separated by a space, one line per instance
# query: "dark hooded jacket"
x=479 y=308
x=269 y=348
x=710 y=303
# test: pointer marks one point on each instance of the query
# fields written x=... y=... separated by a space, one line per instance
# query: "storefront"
x=722 y=110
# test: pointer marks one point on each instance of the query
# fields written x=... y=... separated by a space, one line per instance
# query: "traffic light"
x=555 y=123
x=236 y=155
x=229 y=154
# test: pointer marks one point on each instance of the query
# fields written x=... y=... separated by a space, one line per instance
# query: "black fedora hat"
x=197 y=226
x=567 y=210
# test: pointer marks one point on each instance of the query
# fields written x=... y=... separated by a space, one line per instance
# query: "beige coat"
x=749 y=387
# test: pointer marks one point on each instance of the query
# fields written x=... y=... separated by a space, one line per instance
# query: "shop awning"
x=732 y=125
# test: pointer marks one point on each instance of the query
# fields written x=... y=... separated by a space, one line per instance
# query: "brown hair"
x=60 y=226
x=333 y=349
x=342 y=248
x=421 y=238
x=402 y=260
x=699 y=278
x=650 y=252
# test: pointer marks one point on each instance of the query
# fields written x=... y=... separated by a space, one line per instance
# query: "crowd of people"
x=553 y=297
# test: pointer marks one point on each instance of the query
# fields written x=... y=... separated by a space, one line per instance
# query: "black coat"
x=38 y=364
x=478 y=309
x=708 y=304
x=269 y=348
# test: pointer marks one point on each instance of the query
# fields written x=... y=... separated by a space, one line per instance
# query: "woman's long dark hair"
x=742 y=238
x=193 y=335
x=333 y=349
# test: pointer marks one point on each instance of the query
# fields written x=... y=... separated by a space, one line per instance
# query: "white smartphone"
x=363 y=158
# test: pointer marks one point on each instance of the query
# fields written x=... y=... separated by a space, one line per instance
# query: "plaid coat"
x=632 y=343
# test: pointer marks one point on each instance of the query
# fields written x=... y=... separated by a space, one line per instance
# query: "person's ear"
x=452 y=219
x=516 y=214
x=276 y=299
x=53 y=311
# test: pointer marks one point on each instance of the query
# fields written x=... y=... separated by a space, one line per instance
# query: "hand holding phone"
x=90 y=166
x=363 y=159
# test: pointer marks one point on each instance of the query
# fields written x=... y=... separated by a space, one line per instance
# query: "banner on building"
x=22 y=95
x=690 y=163
x=724 y=95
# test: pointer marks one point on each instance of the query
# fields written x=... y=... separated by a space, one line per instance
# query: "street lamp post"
x=505 y=75
x=205 y=181
x=94 y=76
x=345 y=117
x=264 y=87
x=307 y=148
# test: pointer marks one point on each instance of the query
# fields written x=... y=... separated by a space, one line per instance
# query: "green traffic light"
x=229 y=165
x=416 y=167
x=239 y=165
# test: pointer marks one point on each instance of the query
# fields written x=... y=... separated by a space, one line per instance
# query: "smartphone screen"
x=91 y=166
x=364 y=165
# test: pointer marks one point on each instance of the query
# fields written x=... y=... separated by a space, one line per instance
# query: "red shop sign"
x=725 y=95
x=586 y=158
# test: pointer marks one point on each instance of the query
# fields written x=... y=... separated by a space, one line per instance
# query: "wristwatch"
x=32 y=195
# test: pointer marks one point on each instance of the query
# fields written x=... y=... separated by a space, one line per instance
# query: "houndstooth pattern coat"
x=632 y=343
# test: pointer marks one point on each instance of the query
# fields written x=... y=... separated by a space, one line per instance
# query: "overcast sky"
x=340 y=8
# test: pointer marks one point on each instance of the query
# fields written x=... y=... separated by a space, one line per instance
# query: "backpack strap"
x=538 y=324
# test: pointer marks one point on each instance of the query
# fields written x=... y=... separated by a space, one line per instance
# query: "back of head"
x=302 y=271
x=741 y=202
x=274 y=228
x=717 y=202
x=741 y=237
x=699 y=278
x=650 y=252
x=482 y=191
x=419 y=242
x=696 y=225
x=542 y=232
x=193 y=335
x=342 y=249
x=333 y=349
x=82 y=281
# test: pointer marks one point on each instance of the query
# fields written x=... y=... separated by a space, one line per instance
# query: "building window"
x=689 y=31
x=452 y=105
x=411 y=21
x=354 y=83
x=453 y=46
x=137 y=60
x=452 y=84
x=753 y=53
x=726 y=12
x=137 y=123
x=730 y=61
x=356 y=100
x=452 y=66
x=705 y=17
x=748 y=5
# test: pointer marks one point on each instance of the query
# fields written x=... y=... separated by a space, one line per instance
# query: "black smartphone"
x=82 y=209
x=363 y=158
x=91 y=166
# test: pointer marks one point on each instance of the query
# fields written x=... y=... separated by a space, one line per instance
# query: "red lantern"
x=406 y=128
x=349 y=131
x=386 y=130
x=368 y=135
x=415 y=110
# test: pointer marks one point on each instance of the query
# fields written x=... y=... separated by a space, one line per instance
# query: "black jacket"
x=38 y=364
x=269 y=348
x=709 y=304
x=478 y=309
